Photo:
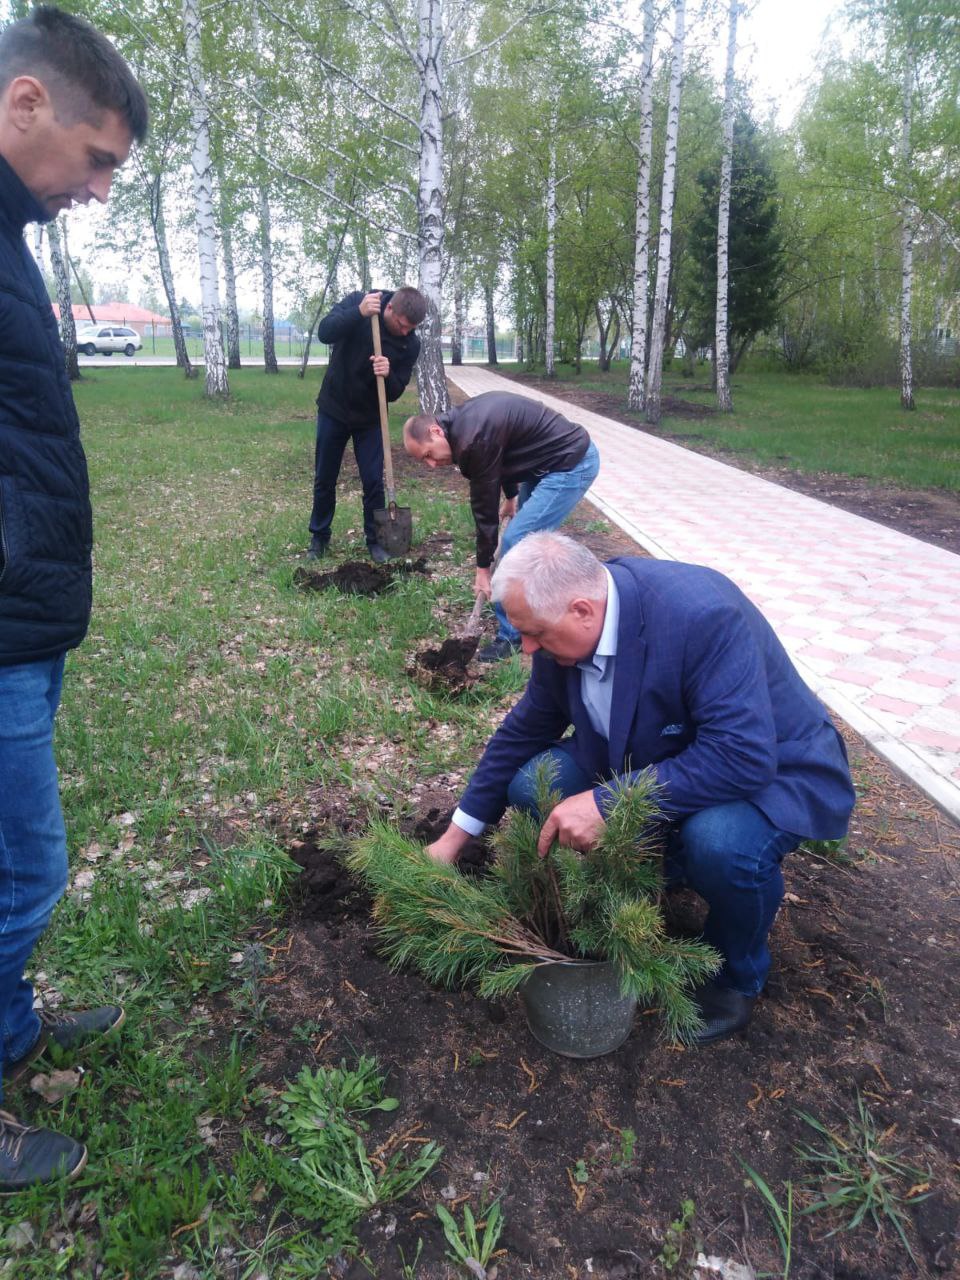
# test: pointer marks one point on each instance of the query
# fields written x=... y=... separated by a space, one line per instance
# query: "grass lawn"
x=208 y=696
x=798 y=421
x=209 y=703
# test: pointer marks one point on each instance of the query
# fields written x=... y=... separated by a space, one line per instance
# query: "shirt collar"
x=607 y=644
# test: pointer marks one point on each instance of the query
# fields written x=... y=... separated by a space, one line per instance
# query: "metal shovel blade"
x=394 y=527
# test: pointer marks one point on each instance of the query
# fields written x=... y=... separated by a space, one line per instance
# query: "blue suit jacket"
x=703 y=692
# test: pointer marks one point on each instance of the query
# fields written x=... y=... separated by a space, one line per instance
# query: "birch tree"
x=216 y=381
x=721 y=351
x=68 y=328
x=550 y=332
x=907 y=217
x=636 y=398
x=266 y=221
x=658 y=331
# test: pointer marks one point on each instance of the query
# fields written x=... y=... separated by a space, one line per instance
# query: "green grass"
x=208 y=696
x=796 y=421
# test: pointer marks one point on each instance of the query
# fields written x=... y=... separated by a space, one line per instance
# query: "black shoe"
x=67 y=1031
x=498 y=650
x=318 y=548
x=377 y=553
x=724 y=1012
x=29 y=1156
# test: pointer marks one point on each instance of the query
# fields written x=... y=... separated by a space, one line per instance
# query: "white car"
x=105 y=339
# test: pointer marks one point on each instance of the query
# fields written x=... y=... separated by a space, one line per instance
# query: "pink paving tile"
x=951 y=704
x=806 y=597
x=947 y=655
x=850 y=675
x=895 y=706
x=818 y=651
x=923 y=633
x=933 y=738
x=861 y=633
x=928 y=677
x=793 y=629
x=836 y=614
x=889 y=615
x=889 y=655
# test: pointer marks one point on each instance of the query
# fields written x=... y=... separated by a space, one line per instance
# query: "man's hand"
x=576 y=822
x=481 y=584
x=381 y=366
x=508 y=508
x=448 y=847
x=370 y=304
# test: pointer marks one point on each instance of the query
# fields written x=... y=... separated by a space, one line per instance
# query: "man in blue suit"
x=665 y=666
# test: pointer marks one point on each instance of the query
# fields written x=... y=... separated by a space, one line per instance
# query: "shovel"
x=394 y=524
x=472 y=627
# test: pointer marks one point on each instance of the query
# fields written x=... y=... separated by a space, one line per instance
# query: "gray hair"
x=553 y=570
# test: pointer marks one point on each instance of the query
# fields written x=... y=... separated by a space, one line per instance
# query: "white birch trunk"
x=266 y=222
x=166 y=276
x=721 y=341
x=551 y=330
x=431 y=381
x=68 y=329
x=658 y=329
x=456 y=341
x=229 y=285
x=216 y=368
x=641 y=262
x=908 y=214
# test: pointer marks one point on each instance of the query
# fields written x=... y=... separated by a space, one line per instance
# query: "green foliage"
x=781 y=1216
x=491 y=932
x=468 y=1248
x=334 y=1180
x=671 y=1253
x=857 y=1179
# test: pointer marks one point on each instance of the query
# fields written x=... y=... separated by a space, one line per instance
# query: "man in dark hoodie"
x=347 y=407
x=70 y=110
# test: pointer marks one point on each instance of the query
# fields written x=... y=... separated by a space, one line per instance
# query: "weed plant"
x=493 y=932
x=855 y=1177
x=333 y=1179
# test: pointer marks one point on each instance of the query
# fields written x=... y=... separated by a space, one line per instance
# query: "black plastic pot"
x=575 y=1008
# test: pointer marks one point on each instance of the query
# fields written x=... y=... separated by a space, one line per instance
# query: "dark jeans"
x=33 y=844
x=332 y=437
x=729 y=854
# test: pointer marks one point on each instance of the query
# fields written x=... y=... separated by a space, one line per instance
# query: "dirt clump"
x=357 y=577
x=447 y=669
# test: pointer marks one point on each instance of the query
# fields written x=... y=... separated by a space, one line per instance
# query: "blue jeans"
x=545 y=505
x=332 y=437
x=730 y=855
x=33 y=843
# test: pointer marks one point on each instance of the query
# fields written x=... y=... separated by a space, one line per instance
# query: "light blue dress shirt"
x=596 y=688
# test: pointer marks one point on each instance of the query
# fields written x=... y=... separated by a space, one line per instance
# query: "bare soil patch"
x=357 y=577
x=448 y=668
x=594 y=1159
x=929 y=514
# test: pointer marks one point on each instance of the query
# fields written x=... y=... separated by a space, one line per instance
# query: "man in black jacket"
x=542 y=462
x=70 y=110
x=347 y=405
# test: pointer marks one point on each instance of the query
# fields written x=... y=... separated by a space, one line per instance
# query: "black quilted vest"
x=46 y=530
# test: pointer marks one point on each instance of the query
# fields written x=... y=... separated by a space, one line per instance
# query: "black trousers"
x=332 y=437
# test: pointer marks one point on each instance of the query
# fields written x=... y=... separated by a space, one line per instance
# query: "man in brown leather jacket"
x=539 y=461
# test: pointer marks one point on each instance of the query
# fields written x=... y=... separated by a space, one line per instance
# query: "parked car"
x=105 y=339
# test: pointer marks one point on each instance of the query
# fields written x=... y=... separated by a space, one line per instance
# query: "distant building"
x=145 y=322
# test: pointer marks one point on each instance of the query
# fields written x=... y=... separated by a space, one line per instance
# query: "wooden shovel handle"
x=384 y=420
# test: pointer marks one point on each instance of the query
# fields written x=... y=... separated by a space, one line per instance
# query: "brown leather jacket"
x=500 y=441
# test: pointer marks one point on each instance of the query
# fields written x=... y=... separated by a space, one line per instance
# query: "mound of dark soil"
x=357 y=577
x=447 y=669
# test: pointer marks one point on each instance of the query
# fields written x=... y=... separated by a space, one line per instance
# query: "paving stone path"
x=870 y=617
